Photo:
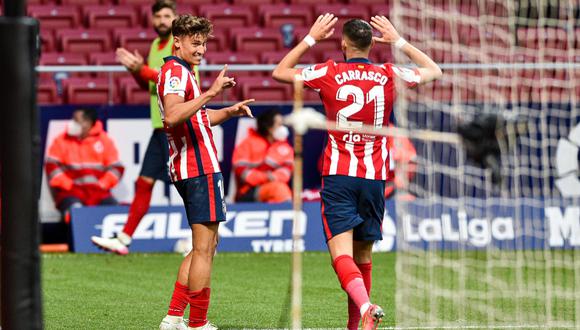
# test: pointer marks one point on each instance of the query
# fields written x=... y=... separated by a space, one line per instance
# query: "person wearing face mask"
x=82 y=164
x=263 y=162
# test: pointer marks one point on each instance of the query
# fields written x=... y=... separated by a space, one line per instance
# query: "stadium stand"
x=274 y=57
x=131 y=92
x=263 y=88
x=134 y=39
x=106 y=58
x=379 y=9
x=233 y=58
x=59 y=59
x=80 y=32
x=109 y=17
x=47 y=92
x=228 y=15
x=47 y=41
x=256 y=2
x=82 y=2
x=84 y=41
x=218 y=42
x=55 y=17
x=88 y=91
x=343 y=12
x=257 y=40
x=63 y=59
x=276 y=15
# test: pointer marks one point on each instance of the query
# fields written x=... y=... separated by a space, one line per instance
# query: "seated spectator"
x=82 y=164
x=263 y=162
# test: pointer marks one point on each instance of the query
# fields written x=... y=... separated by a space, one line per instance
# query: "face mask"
x=281 y=133
x=73 y=128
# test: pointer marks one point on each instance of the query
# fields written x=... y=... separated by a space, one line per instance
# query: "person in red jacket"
x=263 y=162
x=82 y=164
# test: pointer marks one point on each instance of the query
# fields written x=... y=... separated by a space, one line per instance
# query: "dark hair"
x=189 y=25
x=89 y=114
x=265 y=121
x=160 y=4
x=358 y=32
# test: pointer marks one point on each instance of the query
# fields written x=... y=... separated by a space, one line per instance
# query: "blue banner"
x=421 y=224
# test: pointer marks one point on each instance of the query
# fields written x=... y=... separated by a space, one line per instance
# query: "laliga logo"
x=567 y=164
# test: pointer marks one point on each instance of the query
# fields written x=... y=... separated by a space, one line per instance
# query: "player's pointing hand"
x=323 y=27
x=222 y=82
x=388 y=33
x=242 y=109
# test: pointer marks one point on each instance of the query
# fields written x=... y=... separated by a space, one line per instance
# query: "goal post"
x=492 y=238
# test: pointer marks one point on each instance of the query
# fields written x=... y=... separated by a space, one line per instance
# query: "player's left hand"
x=323 y=27
x=388 y=33
x=242 y=109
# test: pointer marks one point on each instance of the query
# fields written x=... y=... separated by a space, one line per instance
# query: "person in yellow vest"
x=154 y=165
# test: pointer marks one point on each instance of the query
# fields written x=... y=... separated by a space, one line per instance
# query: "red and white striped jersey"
x=354 y=93
x=192 y=151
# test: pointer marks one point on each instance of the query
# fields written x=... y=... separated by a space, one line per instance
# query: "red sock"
x=139 y=206
x=179 y=300
x=353 y=312
x=351 y=279
x=367 y=275
x=353 y=315
x=198 y=305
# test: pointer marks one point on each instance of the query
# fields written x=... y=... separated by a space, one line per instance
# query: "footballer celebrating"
x=193 y=164
x=355 y=92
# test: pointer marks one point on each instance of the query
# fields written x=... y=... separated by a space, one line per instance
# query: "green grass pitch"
x=252 y=290
x=248 y=290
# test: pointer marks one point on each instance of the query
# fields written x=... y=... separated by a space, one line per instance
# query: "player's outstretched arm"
x=239 y=109
x=135 y=64
x=177 y=111
x=428 y=69
x=320 y=30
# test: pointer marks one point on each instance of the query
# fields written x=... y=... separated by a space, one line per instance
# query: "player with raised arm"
x=355 y=92
x=154 y=166
x=193 y=164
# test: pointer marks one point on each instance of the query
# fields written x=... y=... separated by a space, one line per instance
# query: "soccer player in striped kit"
x=193 y=164
x=353 y=93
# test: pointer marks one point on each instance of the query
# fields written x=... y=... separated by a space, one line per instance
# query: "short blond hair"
x=189 y=25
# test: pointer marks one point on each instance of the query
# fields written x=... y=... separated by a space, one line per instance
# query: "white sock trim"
x=364 y=308
x=124 y=238
x=173 y=319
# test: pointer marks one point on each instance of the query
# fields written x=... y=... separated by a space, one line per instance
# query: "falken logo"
x=258 y=224
x=567 y=164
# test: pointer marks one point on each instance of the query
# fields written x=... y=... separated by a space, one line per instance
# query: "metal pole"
x=297 y=206
x=19 y=169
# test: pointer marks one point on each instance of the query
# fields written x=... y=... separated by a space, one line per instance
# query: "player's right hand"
x=222 y=82
x=323 y=27
x=132 y=61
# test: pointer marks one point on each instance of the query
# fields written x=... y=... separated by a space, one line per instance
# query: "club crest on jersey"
x=174 y=82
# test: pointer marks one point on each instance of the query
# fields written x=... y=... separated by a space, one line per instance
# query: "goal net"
x=490 y=236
